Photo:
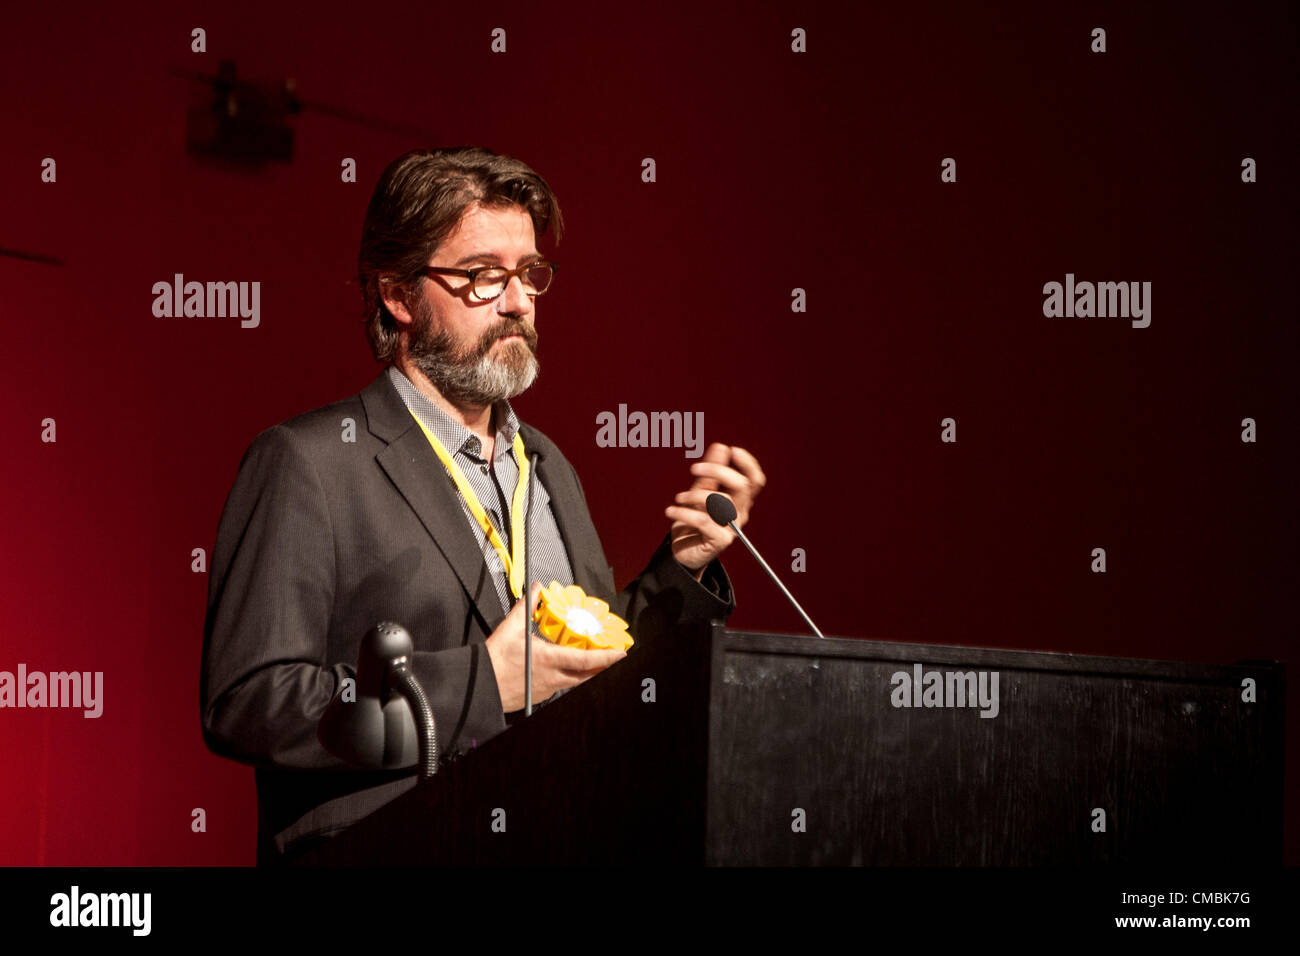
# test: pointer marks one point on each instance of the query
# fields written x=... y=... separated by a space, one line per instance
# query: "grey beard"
x=475 y=378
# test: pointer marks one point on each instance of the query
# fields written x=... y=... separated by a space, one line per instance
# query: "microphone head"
x=379 y=647
x=720 y=508
x=376 y=729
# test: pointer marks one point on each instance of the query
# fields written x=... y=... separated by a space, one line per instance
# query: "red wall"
x=775 y=170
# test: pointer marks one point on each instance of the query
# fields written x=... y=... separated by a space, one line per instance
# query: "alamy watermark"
x=84 y=689
x=178 y=298
x=651 y=430
x=924 y=688
x=1085 y=300
x=75 y=908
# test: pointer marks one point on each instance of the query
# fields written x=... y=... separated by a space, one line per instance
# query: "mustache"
x=505 y=329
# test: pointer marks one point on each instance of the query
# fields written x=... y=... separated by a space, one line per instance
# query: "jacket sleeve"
x=266 y=675
x=665 y=596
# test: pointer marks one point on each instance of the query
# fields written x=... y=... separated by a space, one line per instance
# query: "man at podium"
x=407 y=503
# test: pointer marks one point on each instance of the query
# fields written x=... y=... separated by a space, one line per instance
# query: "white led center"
x=581 y=621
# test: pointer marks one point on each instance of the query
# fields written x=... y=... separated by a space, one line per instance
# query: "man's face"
x=476 y=352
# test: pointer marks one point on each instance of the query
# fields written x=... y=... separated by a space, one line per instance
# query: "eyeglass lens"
x=490 y=283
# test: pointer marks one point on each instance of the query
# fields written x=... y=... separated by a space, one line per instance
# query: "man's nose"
x=514 y=300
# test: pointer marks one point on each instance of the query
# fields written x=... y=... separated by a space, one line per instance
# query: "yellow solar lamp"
x=570 y=618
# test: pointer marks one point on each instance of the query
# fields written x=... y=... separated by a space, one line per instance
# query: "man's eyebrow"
x=488 y=256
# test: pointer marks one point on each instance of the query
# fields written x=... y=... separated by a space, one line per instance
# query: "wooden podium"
x=730 y=748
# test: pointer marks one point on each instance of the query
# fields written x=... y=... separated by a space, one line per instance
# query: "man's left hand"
x=729 y=470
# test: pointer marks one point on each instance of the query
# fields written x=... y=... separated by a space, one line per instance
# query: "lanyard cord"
x=512 y=561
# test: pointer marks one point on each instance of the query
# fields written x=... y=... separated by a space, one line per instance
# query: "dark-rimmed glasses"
x=488 y=282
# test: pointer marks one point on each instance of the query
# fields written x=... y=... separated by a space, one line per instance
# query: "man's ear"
x=397 y=298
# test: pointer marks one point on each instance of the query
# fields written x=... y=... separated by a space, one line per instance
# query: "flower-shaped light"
x=570 y=618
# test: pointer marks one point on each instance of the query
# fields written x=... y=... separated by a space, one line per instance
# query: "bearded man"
x=405 y=503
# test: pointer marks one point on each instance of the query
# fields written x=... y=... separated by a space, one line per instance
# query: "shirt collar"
x=454 y=436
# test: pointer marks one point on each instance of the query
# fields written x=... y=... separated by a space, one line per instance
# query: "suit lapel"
x=423 y=481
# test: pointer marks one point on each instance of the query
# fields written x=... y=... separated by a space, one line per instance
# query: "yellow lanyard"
x=514 y=562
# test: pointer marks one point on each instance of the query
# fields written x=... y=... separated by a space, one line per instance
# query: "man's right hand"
x=554 y=667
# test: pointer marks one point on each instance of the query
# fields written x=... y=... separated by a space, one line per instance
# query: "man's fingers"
x=728 y=477
x=579 y=676
x=575 y=660
x=697 y=498
x=694 y=518
x=718 y=454
x=748 y=464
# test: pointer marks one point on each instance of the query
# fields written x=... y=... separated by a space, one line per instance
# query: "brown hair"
x=417 y=202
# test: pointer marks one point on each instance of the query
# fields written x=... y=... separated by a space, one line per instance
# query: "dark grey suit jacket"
x=320 y=539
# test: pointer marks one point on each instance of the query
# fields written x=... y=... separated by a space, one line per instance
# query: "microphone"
x=723 y=512
x=376 y=729
x=528 y=592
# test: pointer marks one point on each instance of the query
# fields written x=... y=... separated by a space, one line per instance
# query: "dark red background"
x=775 y=170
